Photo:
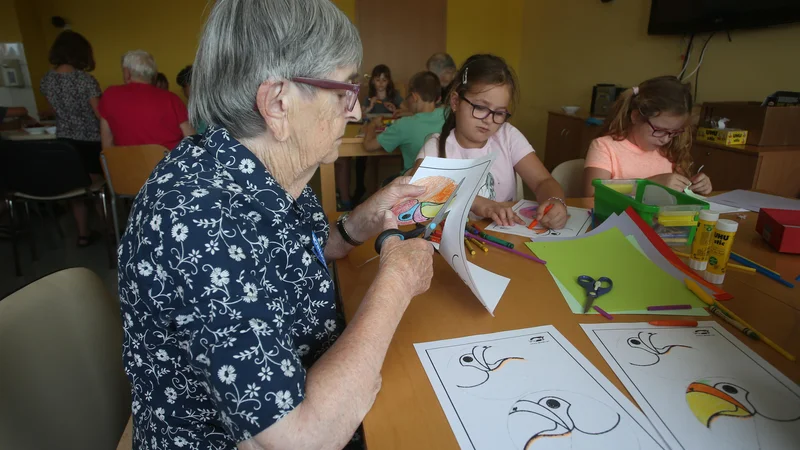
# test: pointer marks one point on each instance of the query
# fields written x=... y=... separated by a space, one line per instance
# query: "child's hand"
x=390 y=106
x=701 y=184
x=372 y=101
x=556 y=218
x=500 y=214
x=673 y=181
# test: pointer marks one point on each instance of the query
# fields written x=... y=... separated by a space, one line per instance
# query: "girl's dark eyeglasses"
x=350 y=89
x=661 y=132
x=481 y=112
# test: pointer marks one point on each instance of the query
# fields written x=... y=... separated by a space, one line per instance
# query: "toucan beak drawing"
x=539 y=420
x=708 y=402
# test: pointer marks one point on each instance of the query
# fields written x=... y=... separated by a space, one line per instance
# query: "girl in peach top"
x=647 y=136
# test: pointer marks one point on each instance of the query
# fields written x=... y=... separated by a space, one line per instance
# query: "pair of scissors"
x=425 y=230
x=594 y=288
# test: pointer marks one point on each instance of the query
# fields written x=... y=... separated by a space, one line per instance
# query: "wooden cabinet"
x=769 y=169
x=568 y=137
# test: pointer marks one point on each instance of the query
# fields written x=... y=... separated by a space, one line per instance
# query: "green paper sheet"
x=638 y=283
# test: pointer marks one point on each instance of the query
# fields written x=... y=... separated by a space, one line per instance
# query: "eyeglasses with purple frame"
x=660 y=132
x=350 y=89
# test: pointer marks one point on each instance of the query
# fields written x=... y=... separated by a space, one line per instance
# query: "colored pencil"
x=673 y=323
x=479 y=245
x=747 y=331
x=681 y=254
x=750 y=263
x=502 y=247
x=702 y=295
x=535 y=222
x=603 y=313
x=470 y=249
x=742 y=268
x=668 y=307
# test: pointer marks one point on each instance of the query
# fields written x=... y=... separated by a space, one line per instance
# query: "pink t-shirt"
x=509 y=146
x=625 y=160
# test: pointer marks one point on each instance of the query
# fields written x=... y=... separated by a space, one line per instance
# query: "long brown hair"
x=660 y=95
x=478 y=71
x=391 y=92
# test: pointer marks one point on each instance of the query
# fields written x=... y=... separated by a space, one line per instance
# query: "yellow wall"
x=36 y=46
x=9 y=30
x=472 y=28
x=570 y=45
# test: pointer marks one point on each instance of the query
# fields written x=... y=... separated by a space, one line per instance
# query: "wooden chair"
x=126 y=170
x=63 y=383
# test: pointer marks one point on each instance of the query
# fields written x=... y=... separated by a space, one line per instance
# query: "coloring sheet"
x=579 y=221
x=473 y=173
x=530 y=389
x=701 y=387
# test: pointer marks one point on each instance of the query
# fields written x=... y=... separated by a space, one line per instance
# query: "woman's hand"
x=367 y=218
x=409 y=263
x=701 y=184
x=556 y=218
x=673 y=181
x=499 y=213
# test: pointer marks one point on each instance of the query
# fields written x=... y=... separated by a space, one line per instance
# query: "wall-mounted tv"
x=700 y=16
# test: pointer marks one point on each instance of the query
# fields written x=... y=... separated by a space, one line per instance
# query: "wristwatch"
x=340 y=226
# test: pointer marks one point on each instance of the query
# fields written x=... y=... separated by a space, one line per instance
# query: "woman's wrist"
x=359 y=224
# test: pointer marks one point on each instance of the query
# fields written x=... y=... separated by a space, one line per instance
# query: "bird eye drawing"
x=476 y=359
x=533 y=418
x=425 y=207
x=708 y=400
x=644 y=342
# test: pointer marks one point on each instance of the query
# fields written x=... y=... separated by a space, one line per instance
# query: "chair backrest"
x=569 y=175
x=42 y=168
x=127 y=168
x=62 y=382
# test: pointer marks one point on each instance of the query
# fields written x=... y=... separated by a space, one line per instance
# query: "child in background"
x=409 y=133
x=383 y=98
x=476 y=125
x=161 y=81
x=647 y=136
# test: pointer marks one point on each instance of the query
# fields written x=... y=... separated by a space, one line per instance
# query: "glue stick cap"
x=728 y=226
x=708 y=215
x=714 y=278
x=697 y=265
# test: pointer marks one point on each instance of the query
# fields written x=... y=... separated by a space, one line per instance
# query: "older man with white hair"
x=139 y=113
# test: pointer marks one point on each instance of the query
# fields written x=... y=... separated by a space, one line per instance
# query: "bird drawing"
x=580 y=422
x=644 y=341
x=476 y=359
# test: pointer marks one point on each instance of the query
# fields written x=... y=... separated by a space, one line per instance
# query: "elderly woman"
x=232 y=336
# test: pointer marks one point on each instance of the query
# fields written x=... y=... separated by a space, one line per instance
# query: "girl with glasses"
x=647 y=136
x=476 y=124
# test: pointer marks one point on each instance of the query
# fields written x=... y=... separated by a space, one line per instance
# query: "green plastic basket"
x=608 y=201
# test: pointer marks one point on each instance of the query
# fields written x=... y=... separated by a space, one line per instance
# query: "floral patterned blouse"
x=225 y=297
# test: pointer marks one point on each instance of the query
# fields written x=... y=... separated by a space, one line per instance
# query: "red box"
x=780 y=228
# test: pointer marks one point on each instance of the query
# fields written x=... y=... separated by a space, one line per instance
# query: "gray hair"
x=141 y=64
x=246 y=42
x=439 y=62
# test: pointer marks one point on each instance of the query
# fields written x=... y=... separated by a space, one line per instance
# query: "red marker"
x=673 y=323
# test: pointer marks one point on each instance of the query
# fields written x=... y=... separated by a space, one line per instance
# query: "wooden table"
x=351 y=146
x=406 y=413
x=20 y=135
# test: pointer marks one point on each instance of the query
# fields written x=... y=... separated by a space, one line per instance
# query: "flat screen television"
x=702 y=16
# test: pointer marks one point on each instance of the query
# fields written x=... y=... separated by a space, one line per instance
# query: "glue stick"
x=720 y=250
x=702 y=239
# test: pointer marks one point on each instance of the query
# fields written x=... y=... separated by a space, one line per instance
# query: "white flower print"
x=227 y=374
x=171 y=395
x=235 y=188
x=159 y=412
x=305 y=240
x=306 y=258
x=260 y=327
x=155 y=222
x=330 y=325
x=318 y=216
x=135 y=406
x=219 y=276
x=203 y=359
x=137 y=359
x=303 y=350
x=287 y=367
x=250 y=292
x=247 y=166
x=284 y=399
x=145 y=268
x=265 y=373
x=183 y=319
x=164 y=178
x=254 y=216
x=194 y=256
x=180 y=442
x=324 y=286
x=252 y=390
x=161 y=274
x=236 y=253
x=199 y=193
x=162 y=355
x=212 y=247
x=180 y=232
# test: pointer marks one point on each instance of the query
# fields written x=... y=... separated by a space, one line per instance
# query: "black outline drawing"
x=646 y=344
x=728 y=392
x=552 y=410
x=479 y=362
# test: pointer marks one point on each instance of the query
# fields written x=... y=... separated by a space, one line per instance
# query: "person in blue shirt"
x=409 y=133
